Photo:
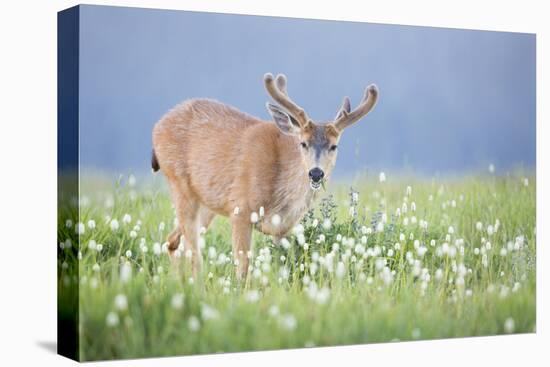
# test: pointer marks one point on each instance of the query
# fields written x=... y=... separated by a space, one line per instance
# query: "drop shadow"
x=50 y=346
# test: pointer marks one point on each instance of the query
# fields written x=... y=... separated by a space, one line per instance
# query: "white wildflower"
x=276 y=220
x=125 y=272
x=252 y=296
x=340 y=269
x=273 y=310
x=421 y=251
x=209 y=312
x=177 y=301
x=285 y=243
x=112 y=319
x=193 y=323
x=202 y=242
x=92 y=245
x=299 y=228
x=114 y=224
x=157 y=248
x=79 y=228
x=127 y=218
x=288 y=322
x=121 y=302
x=509 y=325
x=452 y=251
x=91 y=224
x=386 y=275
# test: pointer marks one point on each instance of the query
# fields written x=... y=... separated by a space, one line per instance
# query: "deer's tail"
x=154 y=162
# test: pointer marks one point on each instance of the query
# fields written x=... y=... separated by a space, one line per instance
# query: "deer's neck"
x=292 y=196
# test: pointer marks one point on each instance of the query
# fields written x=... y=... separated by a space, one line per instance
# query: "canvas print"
x=232 y=183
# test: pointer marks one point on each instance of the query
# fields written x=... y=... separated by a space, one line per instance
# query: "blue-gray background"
x=451 y=101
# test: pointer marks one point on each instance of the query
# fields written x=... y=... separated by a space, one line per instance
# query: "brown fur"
x=217 y=158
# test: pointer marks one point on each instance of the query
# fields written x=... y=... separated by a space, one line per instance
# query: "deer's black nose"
x=316 y=174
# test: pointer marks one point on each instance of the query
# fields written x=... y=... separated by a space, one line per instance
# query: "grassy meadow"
x=379 y=259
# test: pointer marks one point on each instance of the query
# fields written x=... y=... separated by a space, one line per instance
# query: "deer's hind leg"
x=174 y=239
x=187 y=212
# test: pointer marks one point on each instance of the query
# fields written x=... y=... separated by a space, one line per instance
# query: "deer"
x=260 y=174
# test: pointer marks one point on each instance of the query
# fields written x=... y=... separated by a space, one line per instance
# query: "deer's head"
x=318 y=142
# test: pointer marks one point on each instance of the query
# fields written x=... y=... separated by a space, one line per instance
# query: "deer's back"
x=201 y=141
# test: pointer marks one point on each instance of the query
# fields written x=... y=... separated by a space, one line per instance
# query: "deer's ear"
x=283 y=120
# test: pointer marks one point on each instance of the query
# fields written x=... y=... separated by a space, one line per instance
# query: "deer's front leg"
x=241 y=233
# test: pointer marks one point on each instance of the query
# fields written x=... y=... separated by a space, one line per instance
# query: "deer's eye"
x=303 y=144
x=333 y=148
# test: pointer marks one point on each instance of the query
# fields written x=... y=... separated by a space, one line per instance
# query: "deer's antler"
x=345 y=117
x=276 y=87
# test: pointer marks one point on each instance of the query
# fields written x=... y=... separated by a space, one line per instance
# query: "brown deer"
x=219 y=160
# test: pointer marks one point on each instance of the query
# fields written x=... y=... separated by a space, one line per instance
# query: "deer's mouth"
x=314 y=185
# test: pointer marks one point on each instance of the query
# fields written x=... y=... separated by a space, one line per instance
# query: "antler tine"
x=281 y=83
x=277 y=90
x=346 y=118
x=345 y=109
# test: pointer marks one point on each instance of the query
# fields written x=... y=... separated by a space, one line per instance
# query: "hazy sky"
x=450 y=100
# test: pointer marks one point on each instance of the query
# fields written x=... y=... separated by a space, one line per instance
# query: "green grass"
x=463 y=288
